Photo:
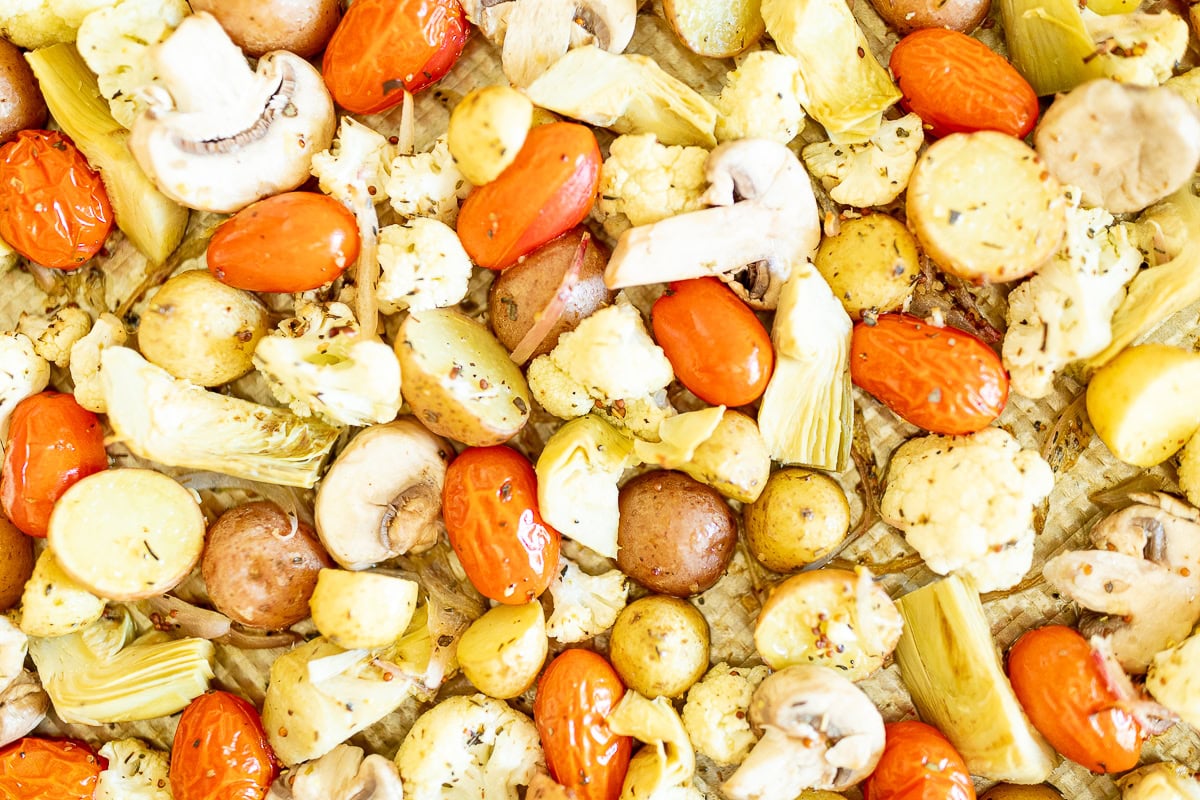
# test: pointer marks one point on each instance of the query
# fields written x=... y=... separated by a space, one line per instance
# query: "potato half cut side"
x=715 y=28
x=127 y=534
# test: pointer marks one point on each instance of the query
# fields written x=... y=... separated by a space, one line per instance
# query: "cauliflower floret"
x=357 y=160
x=135 y=772
x=761 y=99
x=427 y=184
x=1137 y=48
x=872 y=173
x=1064 y=312
x=609 y=364
x=1165 y=780
x=318 y=365
x=466 y=748
x=1174 y=679
x=716 y=712
x=585 y=605
x=1187 y=84
x=85 y=361
x=343 y=772
x=643 y=181
x=8 y=257
x=423 y=265
x=965 y=504
x=40 y=23
x=53 y=338
x=23 y=373
x=115 y=42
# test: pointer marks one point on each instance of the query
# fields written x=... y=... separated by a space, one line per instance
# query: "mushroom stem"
x=411 y=519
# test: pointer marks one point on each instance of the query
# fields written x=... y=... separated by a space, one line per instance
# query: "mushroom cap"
x=536 y=34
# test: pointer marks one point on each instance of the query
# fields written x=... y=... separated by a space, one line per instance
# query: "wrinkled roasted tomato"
x=221 y=751
x=918 y=763
x=49 y=769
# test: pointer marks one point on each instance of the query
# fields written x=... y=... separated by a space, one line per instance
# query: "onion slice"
x=172 y=615
x=545 y=320
x=279 y=495
x=366 y=272
x=1152 y=717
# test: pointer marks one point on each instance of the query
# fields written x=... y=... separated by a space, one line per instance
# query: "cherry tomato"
x=1066 y=697
x=547 y=190
x=291 y=242
x=221 y=751
x=941 y=379
x=53 y=442
x=54 y=209
x=918 y=763
x=489 y=505
x=575 y=694
x=717 y=347
x=383 y=47
x=49 y=769
x=957 y=84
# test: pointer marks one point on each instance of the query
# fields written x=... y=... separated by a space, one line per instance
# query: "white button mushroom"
x=343 y=772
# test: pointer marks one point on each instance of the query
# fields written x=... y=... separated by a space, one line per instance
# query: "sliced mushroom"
x=223 y=136
x=343 y=774
x=1143 y=578
x=819 y=731
x=763 y=220
x=382 y=497
x=14 y=645
x=23 y=705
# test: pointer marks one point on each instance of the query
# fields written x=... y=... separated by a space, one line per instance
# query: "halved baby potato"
x=127 y=534
x=503 y=651
x=715 y=28
x=54 y=604
x=362 y=609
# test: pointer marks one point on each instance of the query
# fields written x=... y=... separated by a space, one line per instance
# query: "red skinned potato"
x=260 y=26
x=16 y=563
x=21 y=103
x=906 y=16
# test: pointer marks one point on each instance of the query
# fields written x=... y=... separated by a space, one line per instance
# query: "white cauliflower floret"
x=85 y=361
x=423 y=265
x=23 y=373
x=319 y=365
x=40 y=23
x=716 y=712
x=466 y=748
x=135 y=772
x=761 y=99
x=1064 y=312
x=358 y=160
x=115 y=42
x=1174 y=679
x=965 y=504
x=608 y=364
x=8 y=257
x=343 y=772
x=585 y=605
x=643 y=181
x=1165 y=780
x=427 y=184
x=1137 y=48
x=1187 y=84
x=53 y=338
x=872 y=173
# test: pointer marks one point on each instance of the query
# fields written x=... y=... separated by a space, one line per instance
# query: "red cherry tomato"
x=918 y=763
x=1065 y=695
x=941 y=379
x=383 y=47
x=49 y=769
x=291 y=242
x=575 y=694
x=717 y=347
x=221 y=751
x=489 y=505
x=53 y=442
x=54 y=209
x=547 y=190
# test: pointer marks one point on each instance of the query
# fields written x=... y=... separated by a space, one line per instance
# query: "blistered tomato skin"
x=221 y=751
x=957 y=84
x=717 y=347
x=941 y=379
x=547 y=190
x=49 y=769
x=291 y=242
x=54 y=209
x=489 y=506
x=53 y=443
x=918 y=763
x=1066 y=697
x=383 y=47
x=575 y=694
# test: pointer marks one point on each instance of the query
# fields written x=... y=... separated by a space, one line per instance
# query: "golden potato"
x=659 y=646
x=503 y=651
x=16 y=563
x=1014 y=791
x=871 y=264
x=201 y=330
x=733 y=460
x=362 y=609
x=487 y=129
x=715 y=28
x=800 y=517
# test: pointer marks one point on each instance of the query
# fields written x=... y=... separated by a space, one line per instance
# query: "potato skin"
x=255 y=572
x=201 y=330
x=16 y=563
x=870 y=264
x=659 y=646
x=676 y=535
x=260 y=26
x=487 y=130
x=520 y=293
x=21 y=103
x=906 y=16
x=801 y=516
